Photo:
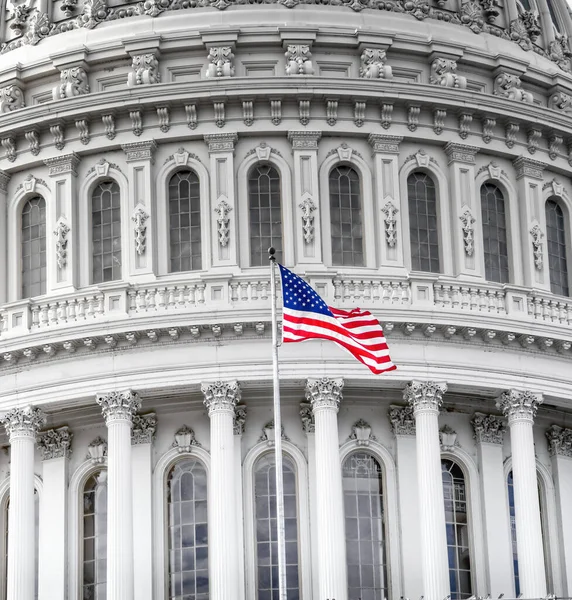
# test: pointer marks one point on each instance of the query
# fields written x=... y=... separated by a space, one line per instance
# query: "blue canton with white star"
x=298 y=295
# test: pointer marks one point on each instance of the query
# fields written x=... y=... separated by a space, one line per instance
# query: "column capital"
x=526 y=167
x=221 y=396
x=307 y=417
x=324 y=393
x=384 y=144
x=519 y=405
x=221 y=142
x=461 y=153
x=559 y=441
x=488 y=429
x=55 y=443
x=304 y=140
x=136 y=151
x=402 y=420
x=23 y=422
x=425 y=396
x=4 y=179
x=118 y=406
x=239 y=419
x=143 y=431
x=60 y=165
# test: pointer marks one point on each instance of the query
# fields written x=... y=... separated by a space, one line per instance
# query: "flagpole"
x=277 y=438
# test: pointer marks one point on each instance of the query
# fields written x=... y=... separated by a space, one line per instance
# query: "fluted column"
x=426 y=398
x=325 y=396
x=118 y=409
x=520 y=409
x=220 y=400
x=22 y=426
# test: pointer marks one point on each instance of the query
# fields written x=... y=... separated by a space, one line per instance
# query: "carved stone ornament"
x=298 y=60
x=239 y=419
x=269 y=433
x=23 y=422
x=221 y=395
x=140 y=218
x=444 y=73
x=145 y=70
x=425 y=395
x=61 y=232
x=307 y=417
x=531 y=24
x=55 y=443
x=448 y=438
x=402 y=420
x=73 y=83
x=307 y=206
x=468 y=222
x=185 y=439
x=508 y=86
x=490 y=10
x=559 y=52
x=390 y=223
x=118 y=406
x=97 y=451
x=361 y=433
x=373 y=64
x=324 y=393
x=11 y=98
x=537 y=246
x=519 y=405
x=472 y=16
x=559 y=441
x=143 y=430
x=488 y=429
x=220 y=59
x=222 y=210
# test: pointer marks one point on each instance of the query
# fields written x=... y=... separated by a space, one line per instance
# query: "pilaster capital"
x=324 y=393
x=55 y=443
x=519 y=405
x=526 y=167
x=23 y=422
x=461 y=153
x=60 y=165
x=384 y=144
x=425 y=396
x=118 y=406
x=221 y=396
x=488 y=429
x=137 y=151
x=221 y=142
x=239 y=419
x=402 y=420
x=4 y=180
x=304 y=140
x=307 y=417
x=559 y=441
x=143 y=431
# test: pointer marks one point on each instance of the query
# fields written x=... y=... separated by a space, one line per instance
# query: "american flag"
x=306 y=316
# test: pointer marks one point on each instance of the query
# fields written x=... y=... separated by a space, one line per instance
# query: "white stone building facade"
x=410 y=157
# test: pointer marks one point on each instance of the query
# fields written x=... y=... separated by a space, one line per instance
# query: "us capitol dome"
x=408 y=157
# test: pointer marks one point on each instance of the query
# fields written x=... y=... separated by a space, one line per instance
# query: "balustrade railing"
x=70 y=310
x=392 y=293
x=151 y=299
x=465 y=298
x=545 y=308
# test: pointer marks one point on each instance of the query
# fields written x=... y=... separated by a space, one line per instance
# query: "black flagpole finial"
x=271 y=253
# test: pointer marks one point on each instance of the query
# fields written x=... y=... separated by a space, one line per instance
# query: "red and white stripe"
x=357 y=331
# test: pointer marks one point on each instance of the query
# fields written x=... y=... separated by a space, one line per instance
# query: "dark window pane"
x=95 y=536
x=423 y=232
x=106 y=232
x=33 y=247
x=494 y=234
x=556 y=246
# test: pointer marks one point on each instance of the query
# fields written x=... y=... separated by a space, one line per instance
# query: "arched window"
x=456 y=523
x=188 y=531
x=185 y=222
x=494 y=234
x=346 y=217
x=94 y=534
x=423 y=230
x=265 y=214
x=556 y=242
x=266 y=532
x=106 y=232
x=34 y=247
x=362 y=481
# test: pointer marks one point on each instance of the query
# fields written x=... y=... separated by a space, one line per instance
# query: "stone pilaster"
x=22 y=425
x=118 y=409
x=221 y=398
x=325 y=396
x=239 y=423
x=426 y=398
x=520 y=408
x=4 y=180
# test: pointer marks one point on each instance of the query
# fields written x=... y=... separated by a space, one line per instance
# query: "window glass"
x=362 y=482
x=494 y=234
x=106 y=232
x=556 y=242
x=185 y=222
x=346 y=217
x=423 y=231
x=188 y=531
x=34 y=247
x=265 y=214
x=94 y=586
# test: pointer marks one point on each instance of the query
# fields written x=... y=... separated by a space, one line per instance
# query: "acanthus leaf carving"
x=221 y=62
x=73 y=83
x=390 y=211
x=468 y=222
x=140 y=217
x=223 y=209
x=472 y=16
x=55 y=443
x=145 y=70
x=143 y=430
x=560 y=53
x=373 y=64
x=298 y=60
x=488 y=428
x=61 y=232
x=93 y=13
x=308 y=207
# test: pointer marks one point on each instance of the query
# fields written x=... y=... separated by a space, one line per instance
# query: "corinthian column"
x=220 y=400
x=426 y=398
x=520 y=409
x=22 y=426
x=325 y=396
x=118 y=409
